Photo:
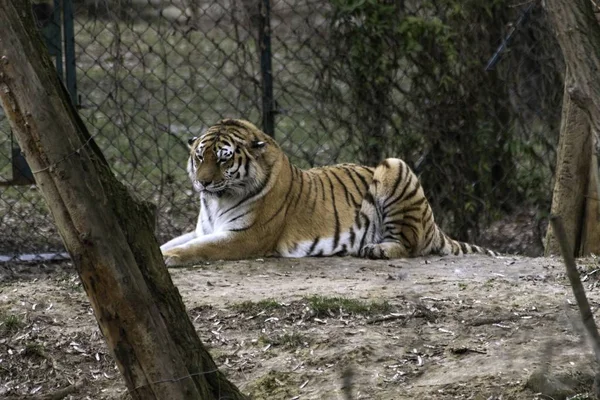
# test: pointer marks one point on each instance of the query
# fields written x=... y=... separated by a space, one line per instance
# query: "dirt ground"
x=467 y=327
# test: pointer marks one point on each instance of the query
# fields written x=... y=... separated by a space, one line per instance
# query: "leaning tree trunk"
x=572 y=171
x=576 y=192
x=108 y=233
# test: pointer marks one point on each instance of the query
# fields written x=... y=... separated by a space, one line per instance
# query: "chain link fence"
x=332 y=80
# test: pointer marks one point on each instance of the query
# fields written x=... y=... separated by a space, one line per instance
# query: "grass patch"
x=274 y=384
x=10 y=323
x=330 y=306
x=287 y=341
x=34 y=350
x=251 y=307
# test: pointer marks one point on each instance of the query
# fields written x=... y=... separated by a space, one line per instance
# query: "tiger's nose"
x=205 y=183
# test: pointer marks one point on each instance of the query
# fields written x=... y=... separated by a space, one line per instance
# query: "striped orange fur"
x=255 y=203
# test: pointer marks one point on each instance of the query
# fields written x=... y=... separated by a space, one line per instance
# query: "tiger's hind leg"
x=384 y=251
x=400 y=214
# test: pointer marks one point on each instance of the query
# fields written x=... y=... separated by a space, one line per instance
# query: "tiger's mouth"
x=217 y=190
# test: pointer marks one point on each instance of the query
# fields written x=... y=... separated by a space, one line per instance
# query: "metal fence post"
x=264 y=40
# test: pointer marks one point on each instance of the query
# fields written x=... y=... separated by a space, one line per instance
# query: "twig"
x=578 y=291
x=522 y=19
x=493 y=320
x=391 y=317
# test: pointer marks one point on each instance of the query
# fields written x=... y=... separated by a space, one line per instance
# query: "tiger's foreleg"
x=216 y=246
x=178 y=241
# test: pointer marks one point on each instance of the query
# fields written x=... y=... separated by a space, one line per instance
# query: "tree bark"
x=578 y=34
x=591 y=229
x=572 y=170
x=109 y=235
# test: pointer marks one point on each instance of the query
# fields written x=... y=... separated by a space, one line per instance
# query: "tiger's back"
x=350 y=209
x=256 y=203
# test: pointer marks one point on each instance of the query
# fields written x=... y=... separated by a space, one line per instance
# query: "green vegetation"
x=415 y=84
x=289 y=341
x=11 y=323
x=251 y=307
x=34 y=350
x=326 y=306
x=274 y=384
x=371 y=80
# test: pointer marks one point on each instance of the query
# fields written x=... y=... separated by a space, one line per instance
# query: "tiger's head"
x=231 y=157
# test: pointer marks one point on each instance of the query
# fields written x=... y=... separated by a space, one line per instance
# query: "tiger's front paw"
x=172 y=261
x=174 y=258
x=373 y=251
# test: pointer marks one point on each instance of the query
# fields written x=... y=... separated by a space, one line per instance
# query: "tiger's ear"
x=192 y=140
x=257 y=144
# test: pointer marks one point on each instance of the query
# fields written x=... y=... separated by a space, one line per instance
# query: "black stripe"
x=455 y=246
x=362 y=179
x=399 y=178
x=430 y=229
x=245 y=199
x=349 y=200
x=322 y=186
x=336 y=235
x=429 y=237
x=389 y=202
x=300 y=191
x=427 y=214
x=208 y=215
x=357 y=220
x=245 y=228
x=241 y=215
x=367 y=224
x=313 y=245
x=358 y=190
x=284 y=202
x=369 y=198
x=293 y=248
x=412 y=193
x=405 y=239
x=342 y=252
x=414 y=229
x=416 y=206
x=463 y=247
x=352 y=236
x=309 y=178
x=239 y=164
x=368 y=169
x=389 y=217
x=247 y=163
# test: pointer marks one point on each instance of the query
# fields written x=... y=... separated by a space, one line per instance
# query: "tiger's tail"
x=447 y=245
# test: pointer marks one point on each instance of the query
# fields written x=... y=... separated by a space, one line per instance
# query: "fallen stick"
x=391 y=317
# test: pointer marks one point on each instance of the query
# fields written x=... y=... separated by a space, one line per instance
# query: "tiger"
x=255 y=203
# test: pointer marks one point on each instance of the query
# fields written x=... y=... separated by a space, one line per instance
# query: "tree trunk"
x=576 y=191
x=572 y=170
x=108 y=233
x=591 y=229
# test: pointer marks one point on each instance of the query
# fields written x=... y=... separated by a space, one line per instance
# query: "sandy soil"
x=437 y=328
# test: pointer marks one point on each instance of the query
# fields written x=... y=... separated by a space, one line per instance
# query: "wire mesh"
x=351 y=82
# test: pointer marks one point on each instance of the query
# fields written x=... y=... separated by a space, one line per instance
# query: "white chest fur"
x=220 y=214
